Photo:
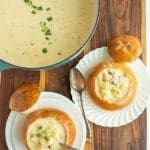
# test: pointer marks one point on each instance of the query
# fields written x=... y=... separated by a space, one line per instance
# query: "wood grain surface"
x=116 y=17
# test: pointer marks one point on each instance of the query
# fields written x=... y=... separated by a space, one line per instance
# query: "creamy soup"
x=112 y=85
x=36 y=33
x=46 y=134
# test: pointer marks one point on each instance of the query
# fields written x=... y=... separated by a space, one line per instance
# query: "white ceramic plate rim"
x=63 y=101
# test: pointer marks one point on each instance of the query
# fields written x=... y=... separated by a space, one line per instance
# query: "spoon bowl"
x=77 y=80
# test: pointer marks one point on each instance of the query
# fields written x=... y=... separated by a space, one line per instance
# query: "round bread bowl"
x=59 y=115
x=126 y=100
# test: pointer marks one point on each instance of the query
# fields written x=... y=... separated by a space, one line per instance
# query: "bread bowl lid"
x=24 y=98
x=125 y=48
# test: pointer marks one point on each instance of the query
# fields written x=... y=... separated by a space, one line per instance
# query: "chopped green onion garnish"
x=47 y=38
x=26 y=1
x=44 y=50
x=44 y=23
x=38 y=135
x=48 y=9
x=29 y=3
x=110 y=73
x=40 y=8
x=33 y=12
x=49 y=18
x=48 y=32
x=33 y=6
x=39 y=127
x=46 y=138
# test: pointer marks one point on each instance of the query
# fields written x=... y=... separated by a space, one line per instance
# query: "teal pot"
x=6 y=65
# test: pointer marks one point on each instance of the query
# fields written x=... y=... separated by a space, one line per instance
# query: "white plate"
x=121 y=117
x=13 y=130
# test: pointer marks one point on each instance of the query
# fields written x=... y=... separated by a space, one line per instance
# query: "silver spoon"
x=78 y=83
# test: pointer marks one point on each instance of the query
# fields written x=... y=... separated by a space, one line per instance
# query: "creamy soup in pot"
x=37 y=33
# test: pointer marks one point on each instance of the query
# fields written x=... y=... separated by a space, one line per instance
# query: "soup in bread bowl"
x=112 y=85
x=47 y=129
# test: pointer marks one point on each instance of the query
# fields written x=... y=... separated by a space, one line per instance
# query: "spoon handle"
x=67 y=147
x=88 y=129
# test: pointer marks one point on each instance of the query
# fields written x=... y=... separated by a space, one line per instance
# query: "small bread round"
x=120 y=103
x=125 y=48
x=24 y=97
x=59 y=115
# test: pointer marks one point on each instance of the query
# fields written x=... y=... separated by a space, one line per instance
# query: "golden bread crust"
x=126 y=100
x=24 y=97
x=59 y=115
x=125 y=48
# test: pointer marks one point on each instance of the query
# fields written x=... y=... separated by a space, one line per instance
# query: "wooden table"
x=116 y=17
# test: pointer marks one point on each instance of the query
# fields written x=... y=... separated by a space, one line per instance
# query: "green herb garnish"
x=38 y=135
x=33 y=12
x=44 y=50
x=40 y=8
x=39 y=127
x=44 y=25
x=26 y=1
x=49 y=18
x=47 y=38
x=47 y=9
x=33 y=6
x=48 y=32
x=46 y=138
x=109 y=72
x=30 y=3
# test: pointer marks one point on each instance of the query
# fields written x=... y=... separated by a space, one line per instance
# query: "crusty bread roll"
x=48 y=121
x=24 y=97
x=125 y=48
x=112 y=85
